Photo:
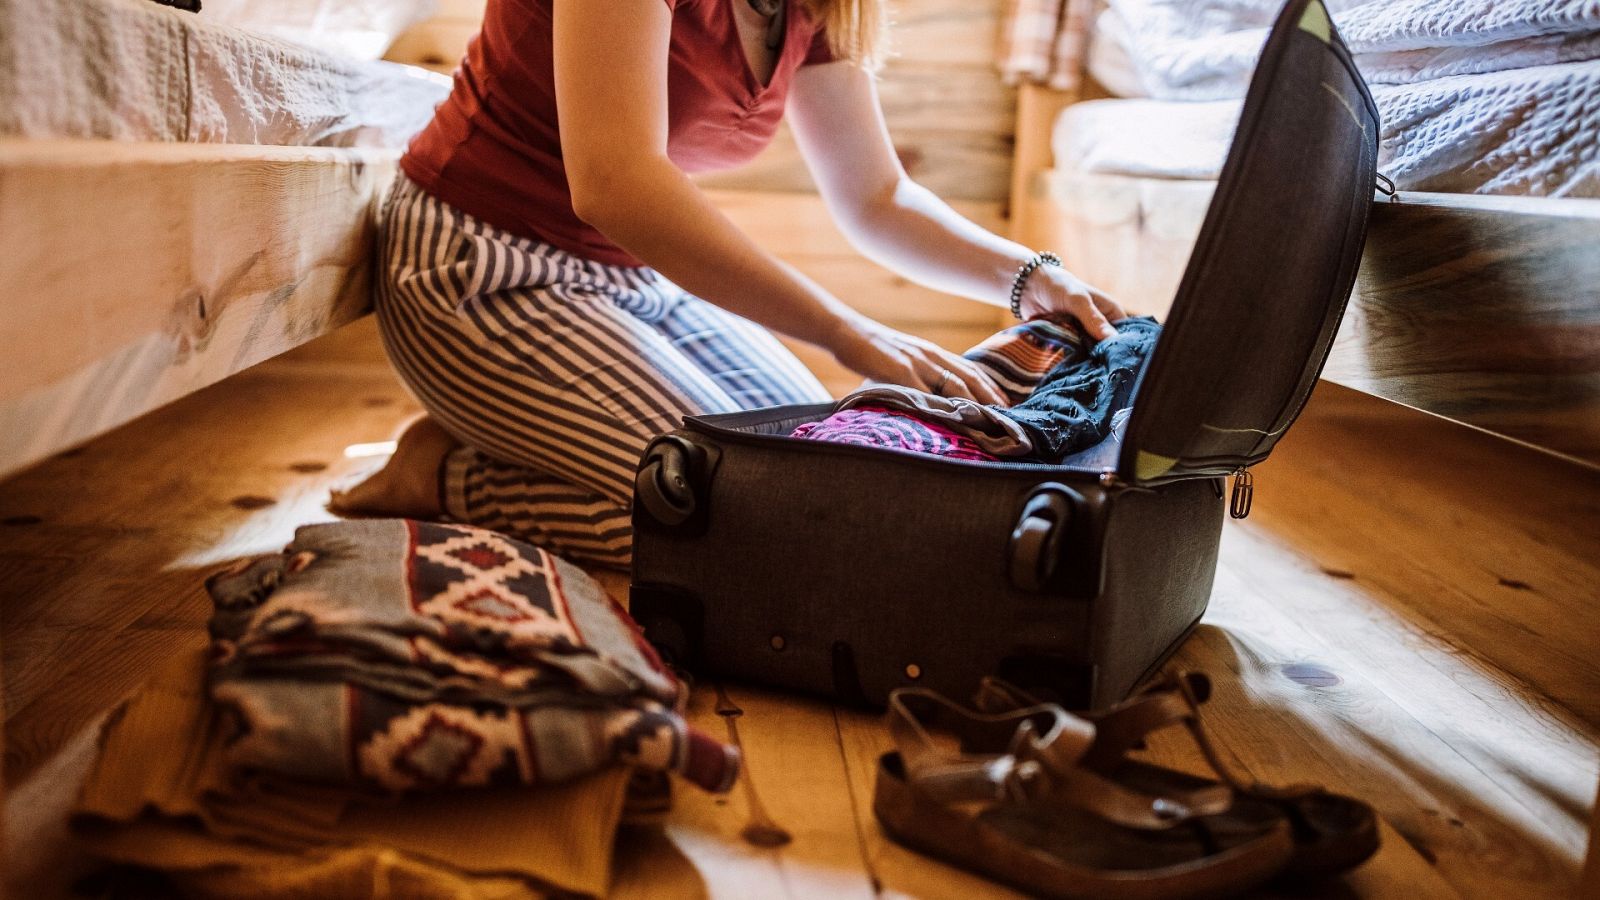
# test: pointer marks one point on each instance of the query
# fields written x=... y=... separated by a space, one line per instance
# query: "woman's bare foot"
x=408 y=484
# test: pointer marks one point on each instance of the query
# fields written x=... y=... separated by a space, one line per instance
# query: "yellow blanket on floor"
x=159 y=797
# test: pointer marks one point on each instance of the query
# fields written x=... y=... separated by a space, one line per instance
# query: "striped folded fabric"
x=1044 y=42
x=1019 y=356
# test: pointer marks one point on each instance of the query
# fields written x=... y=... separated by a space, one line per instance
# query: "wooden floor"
x=1408 y=615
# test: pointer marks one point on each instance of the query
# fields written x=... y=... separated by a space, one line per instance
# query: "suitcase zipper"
x=1244 y=492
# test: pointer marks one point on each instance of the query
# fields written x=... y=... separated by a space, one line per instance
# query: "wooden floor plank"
x=794 y=772
x=1375 y=682
x=1589 y=883
x=1484 y=542
x=1352 y=738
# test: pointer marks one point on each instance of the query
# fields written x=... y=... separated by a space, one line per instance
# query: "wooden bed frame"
x=1482 y=309
x=137 y=273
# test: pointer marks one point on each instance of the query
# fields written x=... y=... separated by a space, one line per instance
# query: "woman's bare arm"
x=611 y=93
x=898 y=223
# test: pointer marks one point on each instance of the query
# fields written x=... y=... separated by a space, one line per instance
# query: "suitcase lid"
x=1266 y=286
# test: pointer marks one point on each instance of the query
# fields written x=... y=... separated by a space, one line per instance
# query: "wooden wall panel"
x=441 y=41
x=952 y=32
x=920 y=97
x=951 y=118
x=436 y=44
x=956 y=165
x=949 y=115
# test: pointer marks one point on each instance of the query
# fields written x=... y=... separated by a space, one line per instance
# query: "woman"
x=557 y=291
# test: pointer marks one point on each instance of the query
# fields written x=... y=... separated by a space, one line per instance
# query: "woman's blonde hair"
x=855 y=28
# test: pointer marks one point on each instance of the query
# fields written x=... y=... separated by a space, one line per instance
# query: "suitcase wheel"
x=1036 y=541
x=663 y=484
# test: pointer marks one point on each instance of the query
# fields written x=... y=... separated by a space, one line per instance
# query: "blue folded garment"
x=1071 y=408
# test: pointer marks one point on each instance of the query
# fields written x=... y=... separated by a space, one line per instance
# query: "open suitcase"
x=850 y=571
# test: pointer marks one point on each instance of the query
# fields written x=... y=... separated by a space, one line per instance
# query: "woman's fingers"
x=951 y=385
x=1108 y=307
x=973 y=382
x=933 y=376
x=1089 y=315
x=925 y=374
x=896 y=358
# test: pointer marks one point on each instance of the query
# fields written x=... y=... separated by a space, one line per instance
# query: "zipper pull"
x=1244 y=492
x=1385 y=186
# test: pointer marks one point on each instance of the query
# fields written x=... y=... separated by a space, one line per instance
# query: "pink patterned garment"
x=876 y=426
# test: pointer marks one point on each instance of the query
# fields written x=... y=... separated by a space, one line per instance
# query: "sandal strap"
x=1124 y=727
x=1174 y=699
x=1042 y=762
x=1043 y=732
x=1095 y=793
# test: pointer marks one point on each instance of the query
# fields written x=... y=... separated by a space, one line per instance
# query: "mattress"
x=1183 y=50
x=133 y=70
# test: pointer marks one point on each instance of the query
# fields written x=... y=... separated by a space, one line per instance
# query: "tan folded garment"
x=160 y=798
x=986 y=427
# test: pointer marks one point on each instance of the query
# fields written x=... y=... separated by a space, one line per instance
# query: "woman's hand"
x=880 y=353
x=1053 y=291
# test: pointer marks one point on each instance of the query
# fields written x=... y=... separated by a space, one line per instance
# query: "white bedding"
x=359 y=28
x=1517 y=131
x=1189 y=50
x=134 y=70
x=1485 y=96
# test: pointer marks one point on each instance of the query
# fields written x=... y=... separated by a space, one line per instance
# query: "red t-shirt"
x=493 y=148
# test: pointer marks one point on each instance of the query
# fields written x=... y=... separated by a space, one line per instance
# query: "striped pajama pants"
x=554 y=371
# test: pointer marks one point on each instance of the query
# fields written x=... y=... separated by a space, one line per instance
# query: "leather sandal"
x=1332 y=832
x=1011 y=799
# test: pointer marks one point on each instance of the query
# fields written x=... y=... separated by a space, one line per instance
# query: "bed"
x=182 y=198
x=1477 y=298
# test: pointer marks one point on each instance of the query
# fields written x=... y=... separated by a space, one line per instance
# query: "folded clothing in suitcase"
x=850 y=571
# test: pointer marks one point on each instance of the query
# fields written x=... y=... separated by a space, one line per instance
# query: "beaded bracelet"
x=1021 y=278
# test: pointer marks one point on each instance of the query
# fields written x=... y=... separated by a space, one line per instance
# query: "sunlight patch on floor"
x=263 y=531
